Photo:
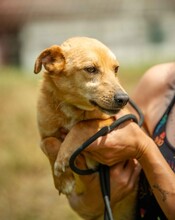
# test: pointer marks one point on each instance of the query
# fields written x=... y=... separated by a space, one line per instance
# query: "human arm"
x=159 y=89
x=129 y=141
x=161 y=179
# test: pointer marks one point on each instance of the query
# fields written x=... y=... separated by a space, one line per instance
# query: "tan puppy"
x=80 y=83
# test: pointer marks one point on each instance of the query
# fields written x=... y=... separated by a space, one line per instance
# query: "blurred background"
x=140 y=33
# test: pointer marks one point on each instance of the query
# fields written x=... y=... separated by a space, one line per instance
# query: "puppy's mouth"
x=107 y=111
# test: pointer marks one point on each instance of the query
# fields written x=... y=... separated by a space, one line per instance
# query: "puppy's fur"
x=79 y=84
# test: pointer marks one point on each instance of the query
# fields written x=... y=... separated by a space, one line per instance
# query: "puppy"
x=80 y=84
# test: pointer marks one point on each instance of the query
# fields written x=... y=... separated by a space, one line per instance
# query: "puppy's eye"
x=116 y=69
x=91 y=69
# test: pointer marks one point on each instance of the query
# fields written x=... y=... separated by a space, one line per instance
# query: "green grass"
x=26 y=188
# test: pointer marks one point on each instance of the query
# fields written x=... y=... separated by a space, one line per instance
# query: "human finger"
x=121 y=180
x=134 y=177
x=122 y=172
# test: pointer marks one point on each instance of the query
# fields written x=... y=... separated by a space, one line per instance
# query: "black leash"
x=103 y=169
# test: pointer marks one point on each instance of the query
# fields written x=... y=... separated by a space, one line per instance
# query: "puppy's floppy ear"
x=52 y=59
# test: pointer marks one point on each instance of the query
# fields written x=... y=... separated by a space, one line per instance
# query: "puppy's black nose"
x=121 y=99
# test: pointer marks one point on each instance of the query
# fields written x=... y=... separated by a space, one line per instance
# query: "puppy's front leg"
x=77 y=135
x=61 y=167
x=63 y=183
x=51 y=147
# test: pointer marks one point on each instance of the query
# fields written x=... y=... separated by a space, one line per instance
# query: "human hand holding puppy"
x=123 y=175
x=127 y=141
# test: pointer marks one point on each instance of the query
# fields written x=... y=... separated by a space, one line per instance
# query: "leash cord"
x=104 y=169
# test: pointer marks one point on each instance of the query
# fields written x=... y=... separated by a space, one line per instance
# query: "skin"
x=138 y=148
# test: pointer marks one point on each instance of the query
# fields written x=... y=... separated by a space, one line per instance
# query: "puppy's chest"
x=72 y=116
x=69 y=123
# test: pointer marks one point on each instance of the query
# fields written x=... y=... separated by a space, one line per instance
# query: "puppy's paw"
x=60 y=166
x=65 y=176
x=65 y=182
x=67 y=188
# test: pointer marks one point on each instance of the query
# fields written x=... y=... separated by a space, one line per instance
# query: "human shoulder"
x=155 y=91
x=154 y=83
x=160 y=75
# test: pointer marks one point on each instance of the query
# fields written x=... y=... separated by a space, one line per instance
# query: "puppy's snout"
x=121 y=99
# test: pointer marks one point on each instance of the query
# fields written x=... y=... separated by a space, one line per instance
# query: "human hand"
x=123 y=178
x=125 y=142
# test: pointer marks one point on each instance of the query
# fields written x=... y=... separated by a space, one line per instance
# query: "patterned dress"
x=148 y=208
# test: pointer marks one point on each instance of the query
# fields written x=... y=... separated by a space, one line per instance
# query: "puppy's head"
x=84 y=72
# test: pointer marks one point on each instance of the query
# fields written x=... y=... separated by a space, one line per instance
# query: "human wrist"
x=144 y=144
x=145 y=148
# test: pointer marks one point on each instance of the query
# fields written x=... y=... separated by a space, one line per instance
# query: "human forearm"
x=160 y=176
